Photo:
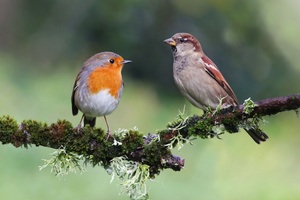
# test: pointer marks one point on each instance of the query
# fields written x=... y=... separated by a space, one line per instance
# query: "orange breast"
x=105 y=78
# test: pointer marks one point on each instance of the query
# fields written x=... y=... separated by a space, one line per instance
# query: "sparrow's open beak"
x=126 y=61
x=170 y=42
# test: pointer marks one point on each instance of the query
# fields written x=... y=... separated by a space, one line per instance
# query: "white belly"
x=97 y=105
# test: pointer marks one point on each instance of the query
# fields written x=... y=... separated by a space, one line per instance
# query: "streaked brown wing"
x=214 y=72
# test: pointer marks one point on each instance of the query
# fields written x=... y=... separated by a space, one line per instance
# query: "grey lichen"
x=62 y=163
x=249 y=106
x=133 y=176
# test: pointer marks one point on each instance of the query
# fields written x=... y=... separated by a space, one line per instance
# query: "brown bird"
x=200 y=80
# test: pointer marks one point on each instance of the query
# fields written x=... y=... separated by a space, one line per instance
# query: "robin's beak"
x=126 y=61
x=170 y=42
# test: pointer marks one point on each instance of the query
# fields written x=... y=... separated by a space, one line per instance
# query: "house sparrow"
x=200 y=80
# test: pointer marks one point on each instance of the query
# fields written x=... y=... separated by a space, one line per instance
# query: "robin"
x=98 y=87
x=200 y=80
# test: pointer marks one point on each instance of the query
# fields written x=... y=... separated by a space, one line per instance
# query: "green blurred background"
x=255 y=44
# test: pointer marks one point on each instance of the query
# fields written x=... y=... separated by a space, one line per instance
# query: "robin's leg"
x=108 y=130
x=80 y=124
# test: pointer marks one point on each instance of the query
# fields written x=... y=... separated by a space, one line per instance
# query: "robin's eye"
x=111 y=61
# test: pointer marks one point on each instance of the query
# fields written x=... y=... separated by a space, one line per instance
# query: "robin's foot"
x=79 y=129
x=108 y=135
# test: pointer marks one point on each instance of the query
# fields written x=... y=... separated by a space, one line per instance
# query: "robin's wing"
x=214 y=72
x=74 y=108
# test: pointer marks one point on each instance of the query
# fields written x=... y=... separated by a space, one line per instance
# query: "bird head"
x=182 y=43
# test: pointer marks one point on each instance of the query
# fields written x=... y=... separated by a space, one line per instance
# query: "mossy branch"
x=153 y=150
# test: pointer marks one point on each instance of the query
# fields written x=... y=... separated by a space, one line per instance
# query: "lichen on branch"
x=153 y=149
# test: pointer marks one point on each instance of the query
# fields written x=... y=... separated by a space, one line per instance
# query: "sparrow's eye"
x=111 y=61
x=182 y=39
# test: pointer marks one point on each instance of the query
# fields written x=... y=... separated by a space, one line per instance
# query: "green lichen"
x=133 y=176
x=219 y=106
x=179 y=120
x=62 y=163
x=249 y=106
x=219 y=130
x=251 y=123
x=178 y=140
x=173 y=136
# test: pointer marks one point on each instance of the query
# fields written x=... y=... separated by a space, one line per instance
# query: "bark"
x=152 y=149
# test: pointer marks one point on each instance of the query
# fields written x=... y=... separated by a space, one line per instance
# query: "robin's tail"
x=257 y=135
x=89 y=120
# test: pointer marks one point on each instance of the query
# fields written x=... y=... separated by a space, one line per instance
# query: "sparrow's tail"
x=89 y=120
x=257 y=135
